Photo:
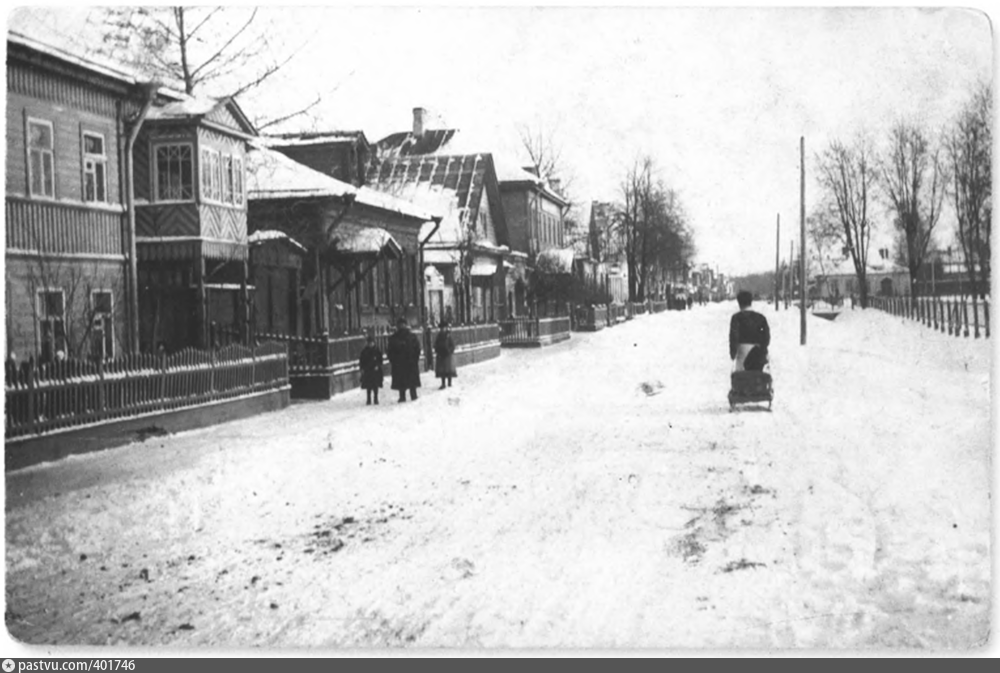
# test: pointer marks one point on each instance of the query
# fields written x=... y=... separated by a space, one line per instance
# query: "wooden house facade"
x=356 y=264
x=535 y=221
x=67 y=232
x=463 y=255
x=343 y=155
x=191 y=223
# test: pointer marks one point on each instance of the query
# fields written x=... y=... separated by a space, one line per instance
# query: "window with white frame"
x=103 y=328
x=227 y=179
x=51 y=318
x=205 y=170
x=95 y=168
x=238 y=180
x=41 y=158
x=174 y=172
x=216 y=177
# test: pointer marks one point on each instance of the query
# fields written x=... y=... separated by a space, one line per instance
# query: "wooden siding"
x=56 y=228
x=221 y=115
x=48 y=86
x=25 y=275
x=224 y=223
x=68 y=125
x=515 y=208
x=176 y=219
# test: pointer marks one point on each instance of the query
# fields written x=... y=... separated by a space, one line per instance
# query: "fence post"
x=986 y=317
x=324 y=352
x=31 y=392
x=211 y=375
x=965 y=317
x=975 y=315
x=101 y=398
x=163 y=380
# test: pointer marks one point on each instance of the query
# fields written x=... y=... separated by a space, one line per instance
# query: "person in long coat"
x=370 y=364
x=444 y=353
x=749 y=336
x=404 y=356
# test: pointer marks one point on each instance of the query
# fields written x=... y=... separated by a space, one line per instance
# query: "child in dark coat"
x=370 y=364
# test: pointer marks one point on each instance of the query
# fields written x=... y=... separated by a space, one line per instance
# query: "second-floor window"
x=95 y=168
x=238 y=180
x=174 y=172
x=41 y=159
x=227 y=179
x=221 y=177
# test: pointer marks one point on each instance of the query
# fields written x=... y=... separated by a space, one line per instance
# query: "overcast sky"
x=718 y=97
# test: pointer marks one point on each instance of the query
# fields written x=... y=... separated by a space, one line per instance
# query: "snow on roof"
x=103 y=68
x=312 y=138
x=265 y=235
x=509 y=171
x=845 y=267
x=355 y=239
x=272 y=175
x=377 y=199
x=189 y=107
x=451 y=186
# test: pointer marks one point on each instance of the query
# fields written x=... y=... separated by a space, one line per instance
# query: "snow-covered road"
x=547 y=501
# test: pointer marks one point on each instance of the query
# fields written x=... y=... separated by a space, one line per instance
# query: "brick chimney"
x=419 y=121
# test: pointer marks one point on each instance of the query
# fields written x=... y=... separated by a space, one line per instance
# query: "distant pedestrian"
x=444 y=353
x=404 y=355
x=370 y=364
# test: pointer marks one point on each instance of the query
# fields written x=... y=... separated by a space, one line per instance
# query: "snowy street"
x=597 y=493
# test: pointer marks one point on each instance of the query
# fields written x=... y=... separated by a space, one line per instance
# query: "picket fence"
x=58 y=395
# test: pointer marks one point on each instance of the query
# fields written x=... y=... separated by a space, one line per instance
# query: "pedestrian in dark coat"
x=749 y=336
x=370 y=365
x=444 y=353
x=404 y=356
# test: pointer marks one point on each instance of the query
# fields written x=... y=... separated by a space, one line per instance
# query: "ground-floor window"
x=51 y=316
x=103 y=327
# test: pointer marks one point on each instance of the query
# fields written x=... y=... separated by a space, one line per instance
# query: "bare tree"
x=544 y=151
x=654 y=226
x=848 y=176
x=825 y=236
x=913 y=180
x=968 y=147
x=227 y=50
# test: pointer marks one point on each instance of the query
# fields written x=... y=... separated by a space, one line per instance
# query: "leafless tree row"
x=914 y=176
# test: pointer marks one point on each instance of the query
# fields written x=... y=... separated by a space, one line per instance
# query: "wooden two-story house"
x=69 y=253
x=535 y=214
x=191 y=223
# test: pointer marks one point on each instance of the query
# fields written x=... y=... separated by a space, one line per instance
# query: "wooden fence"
x=68 y=394
x=617 y=313
x=525 y=331
x=958 y=316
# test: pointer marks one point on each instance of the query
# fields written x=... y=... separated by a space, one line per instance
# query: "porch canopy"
x=350 y=239
x=483 y=266
x=555 y=260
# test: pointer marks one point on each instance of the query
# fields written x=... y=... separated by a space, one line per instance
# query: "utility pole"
x=789 y=276
x=777 y=262
x=802 y=235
